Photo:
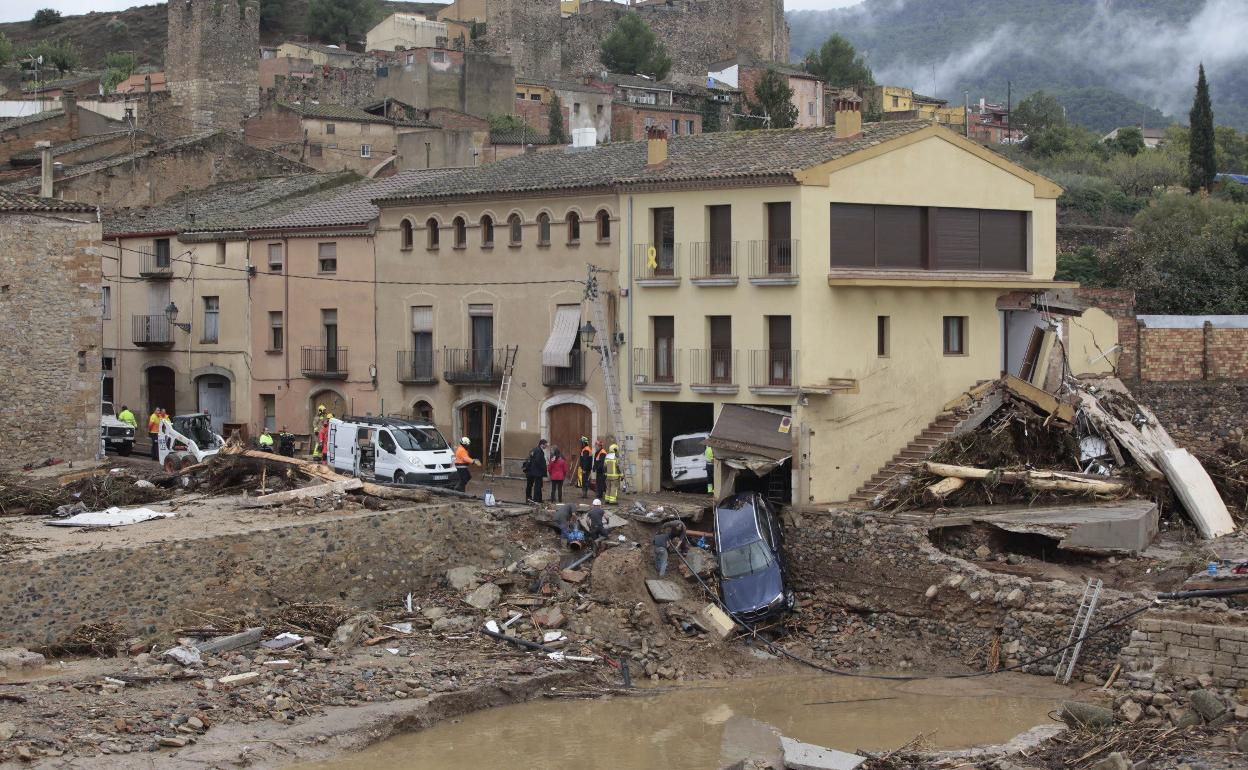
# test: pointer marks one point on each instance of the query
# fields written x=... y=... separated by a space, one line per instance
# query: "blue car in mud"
x=753 y=575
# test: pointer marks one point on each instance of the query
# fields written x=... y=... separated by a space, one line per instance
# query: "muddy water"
x=704 y=726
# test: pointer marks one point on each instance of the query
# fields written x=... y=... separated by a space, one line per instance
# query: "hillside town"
x=703 y=402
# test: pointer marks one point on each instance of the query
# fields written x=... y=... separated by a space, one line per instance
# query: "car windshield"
x=688 y=447
x=746 y=560
x=197 y=429
x=420 y=439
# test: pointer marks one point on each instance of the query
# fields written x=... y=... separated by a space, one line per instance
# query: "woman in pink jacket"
x=558 y=470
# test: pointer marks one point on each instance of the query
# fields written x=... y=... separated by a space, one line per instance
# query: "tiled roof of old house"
x=350 y=115
x=353 y=205
x=75 y=145
x=26 y=120
x=519 y=136
x=717 y=155
x=17 y=202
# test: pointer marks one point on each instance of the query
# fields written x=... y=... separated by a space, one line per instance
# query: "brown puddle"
x=685 y=729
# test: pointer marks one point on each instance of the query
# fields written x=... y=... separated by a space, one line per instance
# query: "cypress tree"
x=1202 y=161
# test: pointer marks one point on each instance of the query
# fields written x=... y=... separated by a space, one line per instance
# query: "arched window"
x=574 y=227
x=604 y=225
x=431 y=228
x=405 y=234
x=487 y=231
x=461 y=232
x=513 y=224
x=543 y=229
x=422 y=410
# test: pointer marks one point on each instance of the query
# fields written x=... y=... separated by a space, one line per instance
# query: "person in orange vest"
x=600 y=469
x=153 y=428
x=463 y=462
x=585 y=467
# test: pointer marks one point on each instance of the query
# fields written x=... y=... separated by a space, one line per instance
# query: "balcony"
x=656 y=371
x=474 y=366
x=713 y=371
x=155 y=264
x=713 y=263
x=324 y=363
x=571 y=376
x=661 y=269
x=151 y=331
x=773 y=372
x=417 y=367
x=773 y=262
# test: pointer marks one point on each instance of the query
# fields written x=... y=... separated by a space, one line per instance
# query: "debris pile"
x=76 y=493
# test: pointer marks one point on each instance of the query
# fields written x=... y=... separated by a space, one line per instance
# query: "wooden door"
x=568 y=422
x=477 y=420
x=160 y=390
x=779 y=350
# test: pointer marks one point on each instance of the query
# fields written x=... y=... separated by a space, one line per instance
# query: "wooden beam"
x=304 y=493
x=1040 y=398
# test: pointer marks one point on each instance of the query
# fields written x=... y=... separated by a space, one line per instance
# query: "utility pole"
x=966 y=109
x=1009 y=112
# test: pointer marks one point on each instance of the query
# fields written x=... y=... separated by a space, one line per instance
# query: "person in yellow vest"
x=709 y=454
x=153 y=428
x=127 y=416
x=265 y=440
x=612 y=467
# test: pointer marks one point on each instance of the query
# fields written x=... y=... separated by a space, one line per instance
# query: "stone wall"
x=359 y=559
x=1202 y=415
x=50 y=324
x=1166 y=648
x=212 y=61
x=327 y=85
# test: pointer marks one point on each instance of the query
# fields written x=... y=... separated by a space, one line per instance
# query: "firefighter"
x=709 y=454
x=318 y=442
x=611 y=465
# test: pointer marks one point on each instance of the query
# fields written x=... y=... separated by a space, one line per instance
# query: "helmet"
x=614 y=448
x=465 y=441
x=320 y=408
x=597 y=501
x=584 y=439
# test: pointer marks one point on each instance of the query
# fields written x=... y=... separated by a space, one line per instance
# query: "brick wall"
x=50 y=325
x=628 y=121
x=1171 y=354
x=1165 y=649
x=1226 y=351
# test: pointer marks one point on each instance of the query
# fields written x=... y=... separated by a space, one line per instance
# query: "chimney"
x=45 y=168
x=69 y=103
x=656 y=147
x=847 y=114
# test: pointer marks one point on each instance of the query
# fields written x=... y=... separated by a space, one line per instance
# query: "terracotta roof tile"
x=353 y=204
x=17 y=202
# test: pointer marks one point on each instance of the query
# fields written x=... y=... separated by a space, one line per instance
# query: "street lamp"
x=588 y=333
x=171 y=312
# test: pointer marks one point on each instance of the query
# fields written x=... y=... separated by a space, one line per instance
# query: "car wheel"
x=399 y=477
x=125 y=449
x=790 y=600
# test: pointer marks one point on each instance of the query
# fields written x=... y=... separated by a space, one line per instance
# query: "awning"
x=752 y=438
x=563 y=331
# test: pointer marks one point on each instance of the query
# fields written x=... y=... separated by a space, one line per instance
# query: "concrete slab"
x=807 y=756
x=1128 y=526
x=664 y=590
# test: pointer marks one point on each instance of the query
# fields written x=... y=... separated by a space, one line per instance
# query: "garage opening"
x=754 y=451
x=677 y=418
x=477 y=420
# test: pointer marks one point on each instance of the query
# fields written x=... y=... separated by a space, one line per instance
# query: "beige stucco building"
x=406 y=30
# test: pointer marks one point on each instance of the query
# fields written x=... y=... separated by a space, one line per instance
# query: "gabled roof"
x=69 y=82
x=17 y=203
x=658 y=107
x=352 y=204
x=26 y=120
x=76 y=145
x=349 y=115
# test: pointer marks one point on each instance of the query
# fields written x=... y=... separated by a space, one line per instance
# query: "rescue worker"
x=317 y=446
x=597 y=525
x=600 y=470
x=153 y=427
x=127 y=416
x=611 y=464
x=660 y=542
x=709 y=454
x=265 y=441
x=324 y=435
x=535 y=473
x=585 y=467
x=463 y=461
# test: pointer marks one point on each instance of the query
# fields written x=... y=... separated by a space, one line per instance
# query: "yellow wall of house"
x=1092 y=338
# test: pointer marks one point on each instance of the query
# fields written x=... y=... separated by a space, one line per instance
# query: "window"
x=439 y=57
x=329 y=128
x=276 y=332
x=664 y=343
x=366 y=151
x=212 y=317
x=720 y=360
x=460 y=230
x=327 y=257
x=881 y=336
x=405 y=234
x=314 y=150
x=535 y=97
x=221 y=253
x=432 y=234
x=422 y=342
x=520 y=95
x=896 y=102
x=275 y=257
x=574 y=227
x=664 y=243
x=423 y=410
x=719 y=247
x=543 y=229
x=598 y=109
x=329 y=332
x=955 y=335
x=162 y=252
x=675 y=126
x=604 y=225
x=779 y=351
x=106 y=303
x=268 y=406
x=513 y=225
x=385 y=442
x=810 y=109
x=487 y=232
x=649 y=122
x=688 y=126
x=576 y=108
x=411 y=58
x=919 y=238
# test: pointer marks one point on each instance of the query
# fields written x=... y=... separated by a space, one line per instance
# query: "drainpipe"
x=45 y=168
x=628 y=256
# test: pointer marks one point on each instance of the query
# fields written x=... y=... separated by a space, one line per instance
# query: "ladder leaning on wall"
x=610 y=375
x=500 y=413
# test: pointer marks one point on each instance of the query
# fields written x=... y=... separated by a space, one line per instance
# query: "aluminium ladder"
x=610 y=378
x=1079 y=629
x=500 y=414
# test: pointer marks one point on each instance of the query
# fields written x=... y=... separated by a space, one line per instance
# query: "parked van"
x=689 y=459
x=390 y=449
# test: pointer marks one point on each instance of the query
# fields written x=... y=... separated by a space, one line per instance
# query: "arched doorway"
x=568 y=422
x=332 y=401
x=476 y=419
x=214 y=399
x=422 y=410
x=160 y=390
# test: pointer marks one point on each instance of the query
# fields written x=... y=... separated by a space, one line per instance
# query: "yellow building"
x=886 y=99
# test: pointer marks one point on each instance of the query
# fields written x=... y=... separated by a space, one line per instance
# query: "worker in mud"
x=662 y=538
x=463 y=463
x=565 y=519
x=153 y=428
x=585 y=467
x=611 y=465
x=600 y=469
x=127 y=416
x=709 y=455
x=597 y=525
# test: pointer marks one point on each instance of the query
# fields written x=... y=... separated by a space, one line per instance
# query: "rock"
x=931 y=592
x=1242 y=743
x=239 y=679
x=20 y=658
x=807 y=756
x=195 y=723
x=1207 y=704
x=1115 y=761
x=1161 y=699
x=353 y=630
x=453 y=623
x=187 y=656
x=983 y=552
x=484 y=597
x=1078 y=714
x=462 y=578
x=540 y=559
x=433 y=613
x=1189 y=719
x=1205 y=680
x=549 y=617
x=7 y=731
x=1015 y=598
x=1241 y=712
x=174 y=743
x=1131 y=711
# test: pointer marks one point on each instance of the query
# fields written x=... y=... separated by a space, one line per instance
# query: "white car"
x=390 y=449
x=688 y=453
x=114 y=433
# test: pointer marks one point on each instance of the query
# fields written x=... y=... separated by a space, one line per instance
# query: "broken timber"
x=1048 y=481
x=304 y=493
x=1040 y=398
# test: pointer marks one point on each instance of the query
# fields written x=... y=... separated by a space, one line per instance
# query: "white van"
x=390 y=449
x=689 y=459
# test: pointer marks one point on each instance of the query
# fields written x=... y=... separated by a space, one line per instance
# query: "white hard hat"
x=465 y=441
x=597 y=501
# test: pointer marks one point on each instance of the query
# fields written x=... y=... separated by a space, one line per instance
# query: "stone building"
x=212 y=61
x=50 y=310
x=67 y=123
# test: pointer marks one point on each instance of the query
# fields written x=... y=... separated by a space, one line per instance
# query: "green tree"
x=1202 y=160
x=633 y=49
x=1083 y=266
x=60 y=55
x=46 y=17
x=1038 y=112
x=1130 y=140
x=341 y=21
x=1141 y=174
x=838 y=64
x=771 y=105
x=6 y=50
x=1232 y=150
x=120 y=65
x=555 y=120
x=710 y=116
x=272 y=15
x=505 y=123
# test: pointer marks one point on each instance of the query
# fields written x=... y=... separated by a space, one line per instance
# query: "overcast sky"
x=22 y=10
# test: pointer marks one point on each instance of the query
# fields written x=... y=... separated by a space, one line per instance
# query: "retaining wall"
x=1165 y=651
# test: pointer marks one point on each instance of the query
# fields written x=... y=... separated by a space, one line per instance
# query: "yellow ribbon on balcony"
x=652 y=258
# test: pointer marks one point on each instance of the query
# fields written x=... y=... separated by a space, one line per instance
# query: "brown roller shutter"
x=853 y=235
x=1003 y=240
x=899 y=234
x=957 y=239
